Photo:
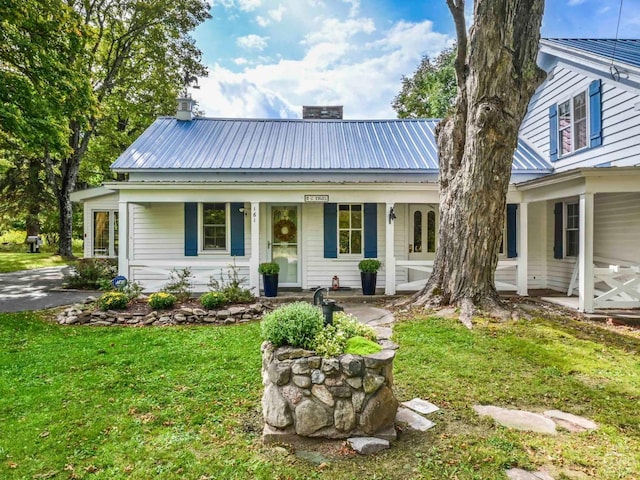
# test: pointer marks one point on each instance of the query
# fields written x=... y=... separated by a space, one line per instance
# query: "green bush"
x=113 y=301
x=232 y=286
x=212 y=300
x=351 y=327
x=369 y=265
x=162 y=300
x=269 y=268
x=93 y=272
x=330 y=342
x=296 y=324
x=180 y=284
x=361 y=346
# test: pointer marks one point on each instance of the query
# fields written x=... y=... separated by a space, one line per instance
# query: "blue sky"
x=267 y=58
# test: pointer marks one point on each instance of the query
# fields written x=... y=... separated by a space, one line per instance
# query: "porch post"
x=390 y=259
x=585 y=254
x=523 y=247
x=123 y=239
x=254 y=262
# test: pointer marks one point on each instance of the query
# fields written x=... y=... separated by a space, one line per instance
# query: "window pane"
x=344 y=241
x=356 y=216
x=564 y=126
x=573 y=217
x=214 y=238
x=214 y=224
x=565 y=141
x=580 y=120
x=417 y=232
x=115 y=232
x=100 y=234
x=572 y=243
x=431 y=232
x=343 y=216
x=580 y=140
x=214 y=214
x=356 y=241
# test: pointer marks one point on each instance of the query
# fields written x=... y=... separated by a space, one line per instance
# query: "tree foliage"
x=431 y=90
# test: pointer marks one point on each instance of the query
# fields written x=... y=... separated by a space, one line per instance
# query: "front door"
x=285 y=243
x=423 y=236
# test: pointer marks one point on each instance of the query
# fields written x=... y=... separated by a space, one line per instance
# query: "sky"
x=267 y=58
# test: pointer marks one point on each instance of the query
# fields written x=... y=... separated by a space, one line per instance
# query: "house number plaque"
x=316 y=198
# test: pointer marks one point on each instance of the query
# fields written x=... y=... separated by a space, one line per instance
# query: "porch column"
x=254 y=261
x=390 y=259
x=523 y=248
x=585 y=254
x=123 y=239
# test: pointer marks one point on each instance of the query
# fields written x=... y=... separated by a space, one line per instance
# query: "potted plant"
x=368 y=275
x=269 y=272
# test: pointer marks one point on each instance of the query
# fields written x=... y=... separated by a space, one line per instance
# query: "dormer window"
x=576 y=123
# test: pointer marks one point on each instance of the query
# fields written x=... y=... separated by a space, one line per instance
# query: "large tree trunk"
x=497 y=75
x=34 y=197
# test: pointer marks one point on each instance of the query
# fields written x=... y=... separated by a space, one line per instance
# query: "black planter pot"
x=368 y=282
x=270 y=285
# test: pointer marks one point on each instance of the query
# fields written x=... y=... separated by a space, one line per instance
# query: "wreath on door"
x=284 y=230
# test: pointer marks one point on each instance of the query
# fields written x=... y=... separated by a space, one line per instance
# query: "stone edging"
x=87 y=315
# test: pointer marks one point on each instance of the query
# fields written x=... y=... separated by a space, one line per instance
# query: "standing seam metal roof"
x=248 y=144
x=620 y=51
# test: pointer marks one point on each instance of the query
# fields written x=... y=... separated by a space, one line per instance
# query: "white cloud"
x=249 y=5
x=263 y=22
x=276 y=13
x=573 y=3
x=355 y=7
x=363 y=76
x=240 y=61
x=252 y=42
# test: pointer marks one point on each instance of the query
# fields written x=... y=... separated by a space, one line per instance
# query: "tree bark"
x=33 y=197
x=497 y=75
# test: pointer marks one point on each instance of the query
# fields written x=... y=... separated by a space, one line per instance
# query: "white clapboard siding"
x=537 y=243
x=102 y=203
x=617 y=226
x=320 y=270
x=620 y=129
x=559 y=271
x=401 y=242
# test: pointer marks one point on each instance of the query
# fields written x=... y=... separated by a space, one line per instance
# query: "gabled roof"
x=206 y=144
x=621 y=51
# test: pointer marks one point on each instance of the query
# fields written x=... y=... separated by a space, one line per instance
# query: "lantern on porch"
x=335 y=282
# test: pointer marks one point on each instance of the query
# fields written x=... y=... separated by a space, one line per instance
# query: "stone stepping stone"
x=519 y=474
x=421 y=406
x=571 y=422
x=413 y=420
x=383 y=333
x=518 y=419
x=368 y=445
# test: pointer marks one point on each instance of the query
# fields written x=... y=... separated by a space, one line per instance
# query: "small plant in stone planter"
x=113 y=301
x=296 y=324
x=211 y=300
x=162 y=300
x=269 y=272
x=368 y=274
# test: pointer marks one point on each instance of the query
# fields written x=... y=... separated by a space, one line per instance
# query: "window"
x=572 y=124
x=105 y=233
x=350 y=229
x=572 y=229
x=214 y=226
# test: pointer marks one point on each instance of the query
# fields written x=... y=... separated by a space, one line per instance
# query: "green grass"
x=13 y=262
x=184 y=402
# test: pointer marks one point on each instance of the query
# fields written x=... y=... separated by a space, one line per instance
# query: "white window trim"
x=573 y=116
x=350 y=255
x=566 y=229
x=227 y=231
x=112 y=233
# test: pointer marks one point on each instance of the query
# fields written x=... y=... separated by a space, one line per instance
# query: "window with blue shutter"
x=553 y=133
x=370 y=230
x=512 y=225
x=237 y=229
x=190 y=229
x=595 y=112
x=330 y=230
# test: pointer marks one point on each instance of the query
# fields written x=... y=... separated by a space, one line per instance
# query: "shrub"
x=113 y=301
x=330 y=342
x=180 y=283
x=361 y=346
x=212 y=300
x=269 y=268
x=369 y=265
x=162 y=300
x=352 y=327
x=231 y=287
x=296 y=324
x=93 y=272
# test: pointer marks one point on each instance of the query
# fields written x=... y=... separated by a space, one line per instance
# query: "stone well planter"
x=339 y=397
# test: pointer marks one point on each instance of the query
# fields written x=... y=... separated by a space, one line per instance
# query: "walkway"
x=37 y=289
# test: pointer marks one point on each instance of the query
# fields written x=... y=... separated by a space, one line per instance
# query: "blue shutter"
x=512 y=225
x=370 y=230
x=330 y=230
x=595 y=113
x=558 y=224
x=190 y=229
x=553 y=133
x=237 y=230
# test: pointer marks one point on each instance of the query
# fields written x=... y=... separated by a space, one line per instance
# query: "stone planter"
x=339 y=397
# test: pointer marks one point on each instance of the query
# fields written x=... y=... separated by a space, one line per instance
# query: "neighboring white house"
x=317 y=196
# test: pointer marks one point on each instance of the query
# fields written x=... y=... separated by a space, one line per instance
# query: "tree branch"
x=457 y=12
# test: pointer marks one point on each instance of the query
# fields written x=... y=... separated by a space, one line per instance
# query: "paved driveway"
x=37 y=289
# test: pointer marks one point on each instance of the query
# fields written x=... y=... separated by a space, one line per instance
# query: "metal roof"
x=621 y=51
x=294 y=145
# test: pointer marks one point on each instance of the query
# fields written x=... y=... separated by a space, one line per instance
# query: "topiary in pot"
x=296 y=324
x=369 y=274
x=269 y=272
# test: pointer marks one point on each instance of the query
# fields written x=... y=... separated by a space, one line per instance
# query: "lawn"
x=14 y=261
x=184 y=402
